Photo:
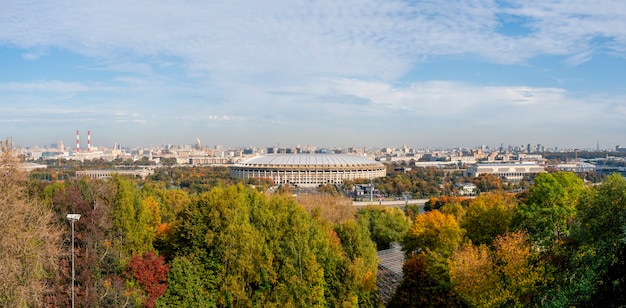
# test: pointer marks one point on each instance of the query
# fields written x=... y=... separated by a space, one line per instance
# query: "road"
x=394 y=203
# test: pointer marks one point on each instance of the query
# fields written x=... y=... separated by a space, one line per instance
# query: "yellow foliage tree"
x=29 y=239
x=434 y=231
x=488 y=216
x=490 y=278
x=474 y=275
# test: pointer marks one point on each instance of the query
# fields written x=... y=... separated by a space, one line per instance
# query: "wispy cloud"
x=363 y=38
x=47 y=86
x=308 y=64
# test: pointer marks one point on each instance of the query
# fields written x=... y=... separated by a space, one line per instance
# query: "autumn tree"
x=99 y=278
x=455 y=209
x=435 y=203
x=428 y=244
x=433 y=231
x=328 y=189
x=506 y=275
x=488 y=216
x=475 y=277
x=29 y=238
x=425 y=283
x=150 y=274
x=335 y=209
x=487 y=182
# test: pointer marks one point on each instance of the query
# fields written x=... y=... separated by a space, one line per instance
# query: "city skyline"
x=353 y=73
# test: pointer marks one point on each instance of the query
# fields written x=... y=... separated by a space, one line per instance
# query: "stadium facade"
x=308 y=169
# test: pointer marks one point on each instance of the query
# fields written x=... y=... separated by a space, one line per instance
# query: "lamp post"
x=72 y=218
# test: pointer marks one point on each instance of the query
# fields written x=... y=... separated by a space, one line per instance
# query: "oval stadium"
x=308 y=169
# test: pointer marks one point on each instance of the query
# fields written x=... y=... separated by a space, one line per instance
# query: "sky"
x=322 y=73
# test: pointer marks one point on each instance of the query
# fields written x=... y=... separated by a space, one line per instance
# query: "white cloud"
x=364 y=38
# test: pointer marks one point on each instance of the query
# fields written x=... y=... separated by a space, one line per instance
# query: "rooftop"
x=307 y=159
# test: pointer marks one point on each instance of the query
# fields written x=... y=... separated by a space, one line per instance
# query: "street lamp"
x=72 y=218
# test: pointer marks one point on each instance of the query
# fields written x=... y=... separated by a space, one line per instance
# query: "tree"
x=597 y=269
x=99 y=278
x=435 y=203
x=151 y=275
x=507 y=275
x=328 y=189
x=361 y=259
x=455 y=209
x=29 y=240
x=516 y=259
x=550 y=208
x=425 y=283
x=133 y=222
x=487 y=182
x=188 y=286
x=268 y=251
x=488 y=216
x=435 y=232
x=475 y=278
x=386 y=224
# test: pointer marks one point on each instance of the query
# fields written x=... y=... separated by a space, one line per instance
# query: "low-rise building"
x=509 y=171
x=577 y=167
x=105 y=174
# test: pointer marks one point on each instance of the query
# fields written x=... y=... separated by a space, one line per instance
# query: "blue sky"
x=323 y=73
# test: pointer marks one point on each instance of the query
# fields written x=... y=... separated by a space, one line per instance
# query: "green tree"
x=132 y=220
x=386 y=224
x=550 y=208
x=188 y=286
x=269 y=251
x=361 y=258
x=596 y=274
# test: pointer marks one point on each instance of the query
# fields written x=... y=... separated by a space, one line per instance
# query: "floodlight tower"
x=72 y=218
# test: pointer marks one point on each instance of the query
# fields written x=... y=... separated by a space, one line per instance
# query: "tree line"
x=560 y=244
x=194 y=237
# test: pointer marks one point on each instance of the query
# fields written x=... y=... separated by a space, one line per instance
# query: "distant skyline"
x=320 y=73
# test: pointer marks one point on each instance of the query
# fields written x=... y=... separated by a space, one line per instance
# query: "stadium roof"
x=307 y=159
